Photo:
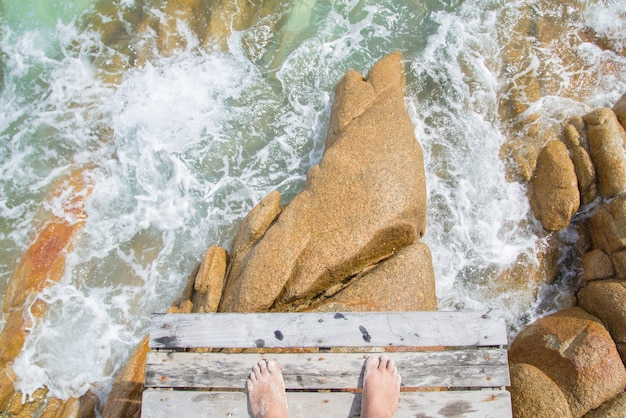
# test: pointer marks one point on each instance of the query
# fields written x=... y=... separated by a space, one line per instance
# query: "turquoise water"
x=181 y=148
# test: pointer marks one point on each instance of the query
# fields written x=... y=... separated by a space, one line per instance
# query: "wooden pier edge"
x=451 y=363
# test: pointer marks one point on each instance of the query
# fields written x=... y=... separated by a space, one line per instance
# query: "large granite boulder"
x=533 y=394
x=573 y=349
x=364 y=202
x=554 y=195
x=607 y=301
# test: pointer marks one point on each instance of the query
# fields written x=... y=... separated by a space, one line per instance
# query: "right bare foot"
x=381 y=388
x=266 y=391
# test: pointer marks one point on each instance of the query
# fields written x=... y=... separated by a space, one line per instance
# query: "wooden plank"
x=349 y=329
x=470 y=404
x=462 y=368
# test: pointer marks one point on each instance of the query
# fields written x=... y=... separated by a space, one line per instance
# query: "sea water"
x=185 y=145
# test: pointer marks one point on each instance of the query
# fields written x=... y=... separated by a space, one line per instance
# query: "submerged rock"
x=364 y=202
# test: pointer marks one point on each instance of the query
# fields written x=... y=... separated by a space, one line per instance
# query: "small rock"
x=607 y=226
x=596 y=265
x=613 y=408
x=209 y=281
x=606 y=145
x=620 y=110
x=125 y=397
x=533 y=394
x=554 y=195
x=619 y=263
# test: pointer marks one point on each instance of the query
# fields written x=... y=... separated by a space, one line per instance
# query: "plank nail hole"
x=278 y=335
x=260 y=343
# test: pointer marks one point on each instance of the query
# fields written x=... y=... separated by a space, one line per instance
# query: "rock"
x=533 y=394
x=619 y=263
x=83 y=407
x=125 y=397
x=209 y=281
x=620 y=110
x=607 y=226
x=585 y=171
x=613 y=408
x=6 y=389
x=44 y=260
x=340 y=224
x=596 y=265
x=404 y=282
x=554 y=195
x=606 y=144
x=607 y=301
x=573 y=349
x=254 y=225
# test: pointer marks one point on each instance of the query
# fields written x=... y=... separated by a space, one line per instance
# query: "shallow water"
x=181 y=148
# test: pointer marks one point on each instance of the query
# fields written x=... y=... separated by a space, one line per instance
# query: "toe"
x=372 y=363
x=273 y=367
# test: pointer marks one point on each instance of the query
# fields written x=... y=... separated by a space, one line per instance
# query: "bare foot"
x=266 y=391
x=381 y=388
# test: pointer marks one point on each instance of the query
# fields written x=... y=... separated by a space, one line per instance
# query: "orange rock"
x=341 y=224
x=533 y=394
x=576 y=351
x=125 y=397
x=404 y=282
x=44 y=260
x=554 y=195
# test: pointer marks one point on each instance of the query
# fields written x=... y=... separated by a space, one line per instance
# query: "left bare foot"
x=266 y=391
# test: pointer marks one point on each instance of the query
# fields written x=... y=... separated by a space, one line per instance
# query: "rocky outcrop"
x=341 y=224
x=340 y=244
x=583 y=349
x=554 y=195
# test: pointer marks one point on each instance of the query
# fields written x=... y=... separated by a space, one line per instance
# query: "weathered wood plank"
x=462 y=368
x=350 y=329
x=471 y=404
